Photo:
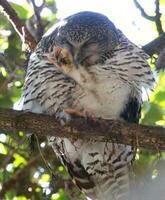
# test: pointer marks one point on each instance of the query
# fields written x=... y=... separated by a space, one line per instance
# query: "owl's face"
x=83 y=41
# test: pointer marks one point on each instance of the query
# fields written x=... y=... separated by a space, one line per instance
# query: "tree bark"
x=151 y=137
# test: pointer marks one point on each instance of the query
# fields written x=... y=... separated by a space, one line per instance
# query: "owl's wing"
x=102 y=170
x=46 y=89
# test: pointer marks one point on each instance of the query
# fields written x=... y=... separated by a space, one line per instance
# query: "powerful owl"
x=85 y=66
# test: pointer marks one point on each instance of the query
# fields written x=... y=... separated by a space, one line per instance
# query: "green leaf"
x=60 y=195
x=3 y=149
x=19 y=160
x=20 y=198
x=21 y=11
x=153 y=114
x=45 y=178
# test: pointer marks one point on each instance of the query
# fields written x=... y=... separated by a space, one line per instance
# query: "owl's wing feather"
x=46 y=86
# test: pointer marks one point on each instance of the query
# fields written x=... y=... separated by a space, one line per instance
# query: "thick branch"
x=155 y=46
x=18 y=25
x=100 y=130
x=160 y=63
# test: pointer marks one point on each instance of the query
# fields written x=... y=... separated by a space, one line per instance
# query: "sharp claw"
x=89 y=114
x=57 y=50
x=52 y=57
x=85 y=113
x=74 y=112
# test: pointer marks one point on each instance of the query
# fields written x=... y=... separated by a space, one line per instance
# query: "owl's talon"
x=89 y=114
x=74 y=112
x=86 y=113
x=57 y=50
x=53 y=56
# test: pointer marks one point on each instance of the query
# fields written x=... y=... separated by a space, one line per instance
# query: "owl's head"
x=83 y=40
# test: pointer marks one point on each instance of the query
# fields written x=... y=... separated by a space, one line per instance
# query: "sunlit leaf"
x=3 y=44
x=49 y=1
x=20 y=198
x=19 y=160
x=38 y=189
x=3 y=71
x=45 y=178
x=61 y=195
x=3 y=149
x=21 y=134
x=55 y=196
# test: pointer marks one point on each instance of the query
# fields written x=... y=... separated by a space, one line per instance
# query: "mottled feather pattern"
x=101 y=170
x=45 y=84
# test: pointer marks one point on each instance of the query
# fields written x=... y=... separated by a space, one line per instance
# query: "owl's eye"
x=63 y=61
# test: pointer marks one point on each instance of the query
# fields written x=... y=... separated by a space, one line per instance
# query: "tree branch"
x=24 y=34
x=160 y=63
x=143 y=13
x=99 y=130
x=158 y=17
x=155 y=46
x=39 y=29
x=155 y=18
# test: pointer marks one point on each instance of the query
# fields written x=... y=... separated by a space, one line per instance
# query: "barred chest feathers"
x=107 y=99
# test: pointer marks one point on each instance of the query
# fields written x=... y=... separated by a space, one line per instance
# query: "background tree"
x=29 y=170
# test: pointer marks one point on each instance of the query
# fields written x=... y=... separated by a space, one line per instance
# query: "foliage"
x=24 y=174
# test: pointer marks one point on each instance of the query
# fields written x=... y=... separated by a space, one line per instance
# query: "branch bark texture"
x=156 y=18
x=99 y=130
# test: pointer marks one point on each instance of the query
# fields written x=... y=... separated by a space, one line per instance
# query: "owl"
x=85 y=66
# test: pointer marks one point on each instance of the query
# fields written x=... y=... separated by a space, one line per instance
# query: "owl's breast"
x=107 y=100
